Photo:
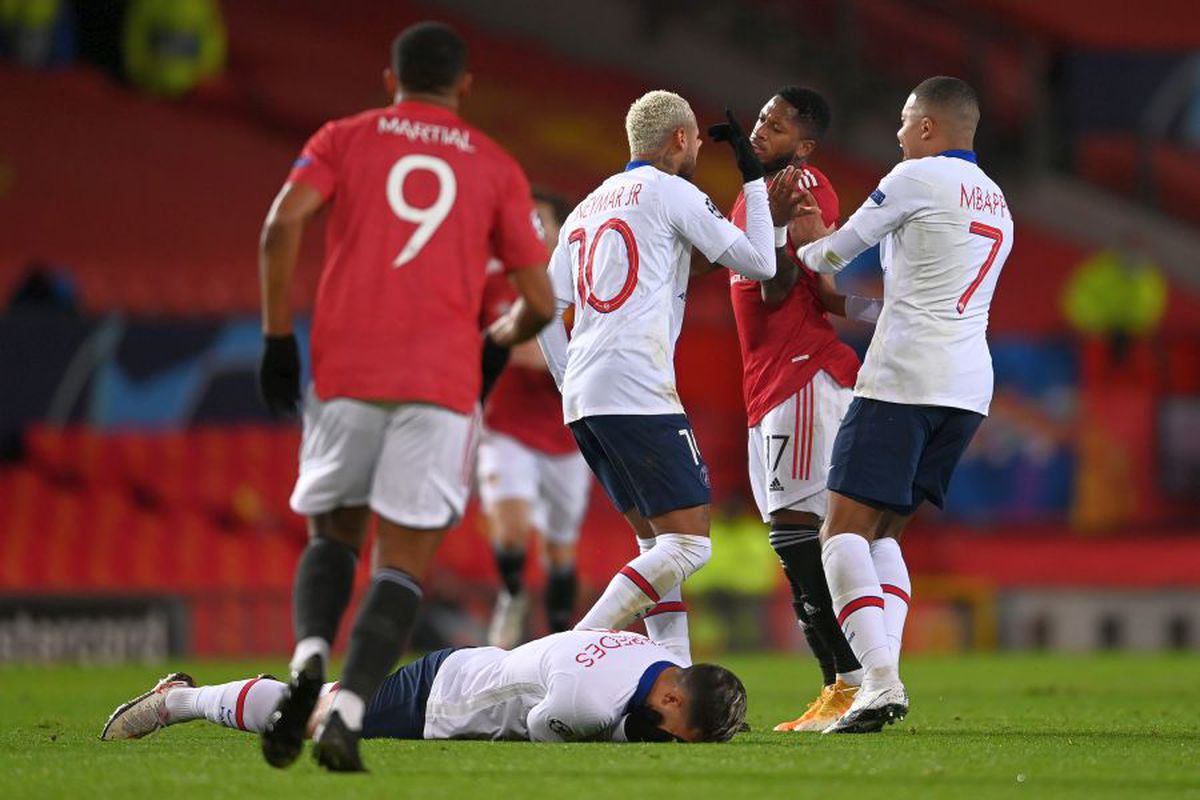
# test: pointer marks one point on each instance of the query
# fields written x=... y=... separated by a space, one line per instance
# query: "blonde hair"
x=653 y=117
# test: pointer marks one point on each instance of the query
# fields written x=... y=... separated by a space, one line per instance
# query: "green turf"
x=981 y=726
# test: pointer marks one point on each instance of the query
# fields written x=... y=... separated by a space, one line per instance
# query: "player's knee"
x=688 y=552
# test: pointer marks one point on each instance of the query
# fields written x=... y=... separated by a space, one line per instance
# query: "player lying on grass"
x=573 y=686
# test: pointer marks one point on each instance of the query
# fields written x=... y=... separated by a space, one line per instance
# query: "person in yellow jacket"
x=170 y=46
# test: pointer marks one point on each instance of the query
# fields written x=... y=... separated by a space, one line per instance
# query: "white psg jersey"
x=945 y=231
x=570 y=686
x=623 y=259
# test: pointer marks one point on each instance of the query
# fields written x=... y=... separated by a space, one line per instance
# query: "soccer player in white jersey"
x=926 y=383
x=566 y=687
x=622 y=260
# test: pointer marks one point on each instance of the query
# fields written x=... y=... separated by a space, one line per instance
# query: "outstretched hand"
x=730 y=131
x=806 y=225
x=784 y=196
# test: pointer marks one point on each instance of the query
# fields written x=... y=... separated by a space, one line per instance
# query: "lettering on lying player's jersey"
x=600 y=648
x=606 y=201
x=427 y=133
x=976 y=199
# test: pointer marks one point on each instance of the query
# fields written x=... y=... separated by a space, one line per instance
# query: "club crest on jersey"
x=877 y=196
x=538 y=227
x=716 y=212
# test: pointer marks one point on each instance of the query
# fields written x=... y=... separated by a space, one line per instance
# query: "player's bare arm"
x=279 y=246
x=775 y=290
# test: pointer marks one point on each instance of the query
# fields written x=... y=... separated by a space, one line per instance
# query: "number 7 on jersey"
x=997 y=237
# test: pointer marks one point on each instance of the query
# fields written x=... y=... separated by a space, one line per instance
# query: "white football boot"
x=507 y=628
x=145 y=713
x=872 y=709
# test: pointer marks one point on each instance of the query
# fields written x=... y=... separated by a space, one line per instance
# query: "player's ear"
x=462 y=87
x=680 y=138
x=927 y=126
x=391 y=84
x=805 y=148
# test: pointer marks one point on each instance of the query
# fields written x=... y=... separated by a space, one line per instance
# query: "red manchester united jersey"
x=419 y=201
x=782 y=348
x=524 y=403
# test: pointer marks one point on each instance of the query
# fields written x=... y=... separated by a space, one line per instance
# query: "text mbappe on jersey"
x=600 y=648
x=606 y=201
x=427 y=133
x=977 y=199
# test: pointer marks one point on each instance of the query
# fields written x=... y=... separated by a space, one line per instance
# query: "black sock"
x=819 y=649
x=800 y=551
x=321 y=592
x=561 y=585
x=511 y=564
x=385 y=621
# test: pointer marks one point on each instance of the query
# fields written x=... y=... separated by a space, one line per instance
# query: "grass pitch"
x=981 y=727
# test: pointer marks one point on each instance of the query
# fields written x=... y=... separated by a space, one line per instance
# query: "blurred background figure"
x=533 y=482
x=142 y=475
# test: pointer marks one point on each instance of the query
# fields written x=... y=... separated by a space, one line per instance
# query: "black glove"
x=279 y=375
x=641 y=725
x=748 y=163
x=494 y=359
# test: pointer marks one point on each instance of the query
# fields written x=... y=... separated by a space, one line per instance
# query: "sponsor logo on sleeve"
x=301 y=162
x=538 y=228
x=716 y=212
x=878 y=197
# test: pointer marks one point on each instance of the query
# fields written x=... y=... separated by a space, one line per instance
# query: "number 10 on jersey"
x=585 y=282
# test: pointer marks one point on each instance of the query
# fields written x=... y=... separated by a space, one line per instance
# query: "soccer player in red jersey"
x=531 y=474
x=417 y=201
x=797 y=382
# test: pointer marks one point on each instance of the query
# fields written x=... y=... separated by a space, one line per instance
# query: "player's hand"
x=641 y=725
x=730 y=131
x=495 y=358
x=279 y=375
x=806 y=225
x=784 y=196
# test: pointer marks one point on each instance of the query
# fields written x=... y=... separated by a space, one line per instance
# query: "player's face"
x=910 y=136
x=691 y=151
x=778 y=137
x=550 y=225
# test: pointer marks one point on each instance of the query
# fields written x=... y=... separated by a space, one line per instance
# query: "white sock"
x=641 y=584
x=306 y=648
x=667 y=622
x=243 y=705
x=897 y=588
x=351 y=707
x=858 y=603
x=854 y=677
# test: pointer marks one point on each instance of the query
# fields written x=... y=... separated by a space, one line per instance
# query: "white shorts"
x=556 y=487
x=790 y=448
x=410 y=462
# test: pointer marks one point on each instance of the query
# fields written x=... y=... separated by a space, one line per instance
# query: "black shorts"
x=397 y=710
x=649 y=461
x=893 y=456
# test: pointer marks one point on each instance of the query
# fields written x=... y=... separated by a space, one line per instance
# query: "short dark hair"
x=428 y=57
x=559 y=204
x=716 y=701
x=811 y=109
x=952 y=95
